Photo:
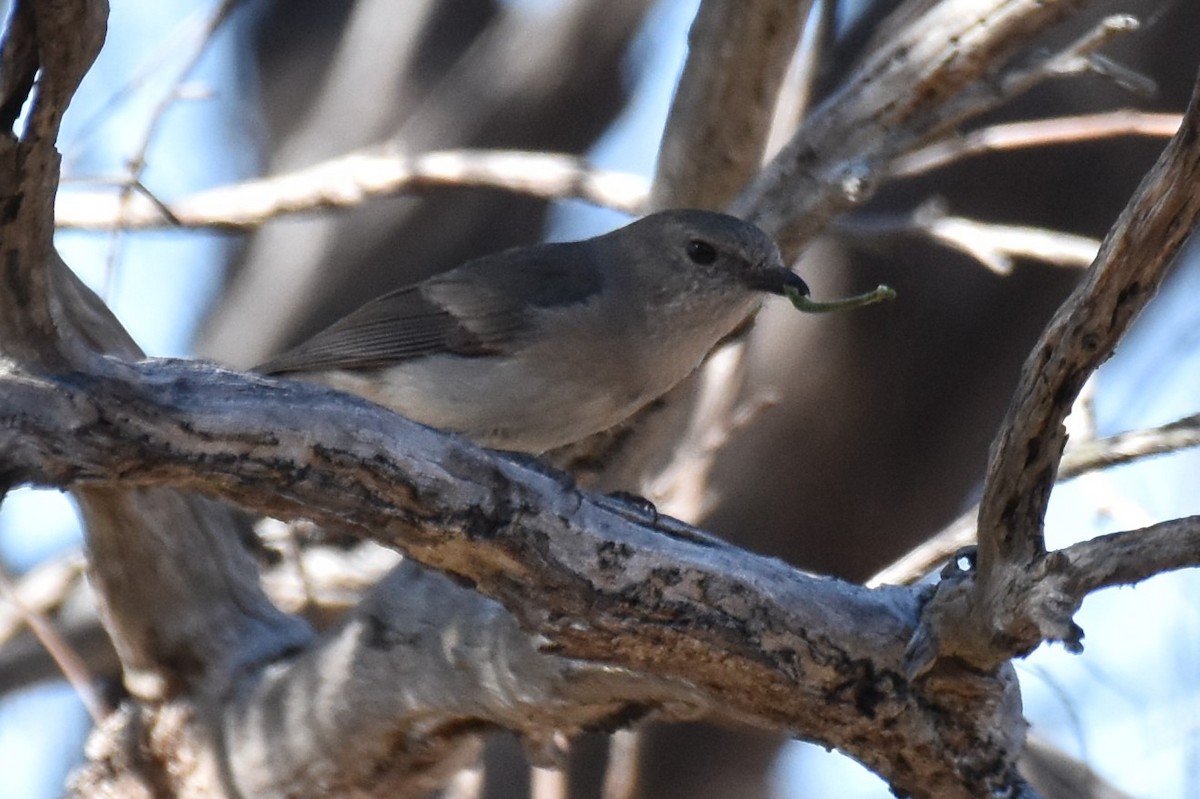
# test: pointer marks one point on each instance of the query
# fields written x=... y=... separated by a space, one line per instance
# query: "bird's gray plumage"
x=474 y=310
x=535 y=347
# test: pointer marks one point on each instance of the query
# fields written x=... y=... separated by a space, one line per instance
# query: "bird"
x=536 y=347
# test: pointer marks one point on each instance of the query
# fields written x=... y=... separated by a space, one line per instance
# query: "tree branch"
x=915 y=86
x=1131 y=556
x=463 y=665
x=1035 y=133
x=350 y=180
x=1129 y=446
x=993 y=245
x=64 y=40
x=1080 y=458
x=1014 y=602
x=1131 y=265
x=738 y=55
x=761 y=641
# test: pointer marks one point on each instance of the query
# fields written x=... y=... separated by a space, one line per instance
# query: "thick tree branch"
x=409 y=682
x=763 y=642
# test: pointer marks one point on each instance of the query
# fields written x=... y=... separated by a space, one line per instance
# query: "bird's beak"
x=777 y=280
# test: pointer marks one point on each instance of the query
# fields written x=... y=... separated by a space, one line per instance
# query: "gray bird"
x=536 y=347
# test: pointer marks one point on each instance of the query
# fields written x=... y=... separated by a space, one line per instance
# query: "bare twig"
x=1079 y=459
x=137 y=163
x=995 y=246
x=1083 y=56
x=192 y=32
x=40 y=590
x=1129 y=446
x=350 y=180
x=1035 y=133
x=69 y=663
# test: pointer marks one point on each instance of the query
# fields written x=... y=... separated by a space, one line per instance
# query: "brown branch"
x=463 y=665
x=65 y=37
x=352 y=179
x=1018 y=597
x=1131 y=265
x=1132 y=445
x=1131 y=556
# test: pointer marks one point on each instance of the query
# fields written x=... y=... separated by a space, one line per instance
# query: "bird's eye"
x=701 y=252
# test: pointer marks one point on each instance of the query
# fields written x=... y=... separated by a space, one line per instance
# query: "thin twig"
x=1035 y=133
x=1130 y=446
x=349 y=180
x=137 y=163
x=41 y=590
x=72 y=666
x=995 y=246
x=1081 y=458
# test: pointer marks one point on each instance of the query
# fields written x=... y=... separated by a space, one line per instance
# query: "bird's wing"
x=481 y=308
